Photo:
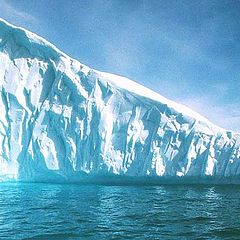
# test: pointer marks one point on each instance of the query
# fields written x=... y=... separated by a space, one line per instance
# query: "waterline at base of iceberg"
x=121 y=180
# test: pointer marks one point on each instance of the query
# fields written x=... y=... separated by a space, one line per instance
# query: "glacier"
x=63 y=121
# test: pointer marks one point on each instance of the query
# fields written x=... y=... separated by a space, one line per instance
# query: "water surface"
x=52 y=211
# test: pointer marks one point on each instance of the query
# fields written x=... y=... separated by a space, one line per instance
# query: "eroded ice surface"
x=62 y=120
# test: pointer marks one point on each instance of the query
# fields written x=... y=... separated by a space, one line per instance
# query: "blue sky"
x=188 y=51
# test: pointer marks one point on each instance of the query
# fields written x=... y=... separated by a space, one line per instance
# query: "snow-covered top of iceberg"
x=39 y=47
x=29 y=40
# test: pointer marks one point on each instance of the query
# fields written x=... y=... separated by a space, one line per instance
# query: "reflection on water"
x=51 y=211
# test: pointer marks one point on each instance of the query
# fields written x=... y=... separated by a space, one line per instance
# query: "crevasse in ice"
x=62 y=120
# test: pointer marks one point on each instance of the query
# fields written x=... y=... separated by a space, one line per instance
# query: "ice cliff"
x=61 y=120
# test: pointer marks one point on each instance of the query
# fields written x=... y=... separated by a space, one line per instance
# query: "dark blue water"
x=50 y=211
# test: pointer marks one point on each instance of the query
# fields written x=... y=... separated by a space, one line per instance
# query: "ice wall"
x=61 y=120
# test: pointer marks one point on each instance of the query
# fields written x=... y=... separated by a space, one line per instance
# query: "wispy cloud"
x=224 y=115
x=13 y=14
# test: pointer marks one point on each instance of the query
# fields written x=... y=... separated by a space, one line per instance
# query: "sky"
x=186 y=50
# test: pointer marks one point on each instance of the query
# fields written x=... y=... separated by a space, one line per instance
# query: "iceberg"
x=63 y=121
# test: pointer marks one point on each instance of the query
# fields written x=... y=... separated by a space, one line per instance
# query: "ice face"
x=61 y=120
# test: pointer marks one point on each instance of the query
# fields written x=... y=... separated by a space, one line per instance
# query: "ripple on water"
x=48 y=211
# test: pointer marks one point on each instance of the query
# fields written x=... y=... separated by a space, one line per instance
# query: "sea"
x=90 y=211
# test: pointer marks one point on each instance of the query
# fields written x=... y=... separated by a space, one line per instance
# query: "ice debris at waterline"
x=62 y=121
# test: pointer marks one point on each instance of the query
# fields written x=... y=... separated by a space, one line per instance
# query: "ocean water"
x=55 y=211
